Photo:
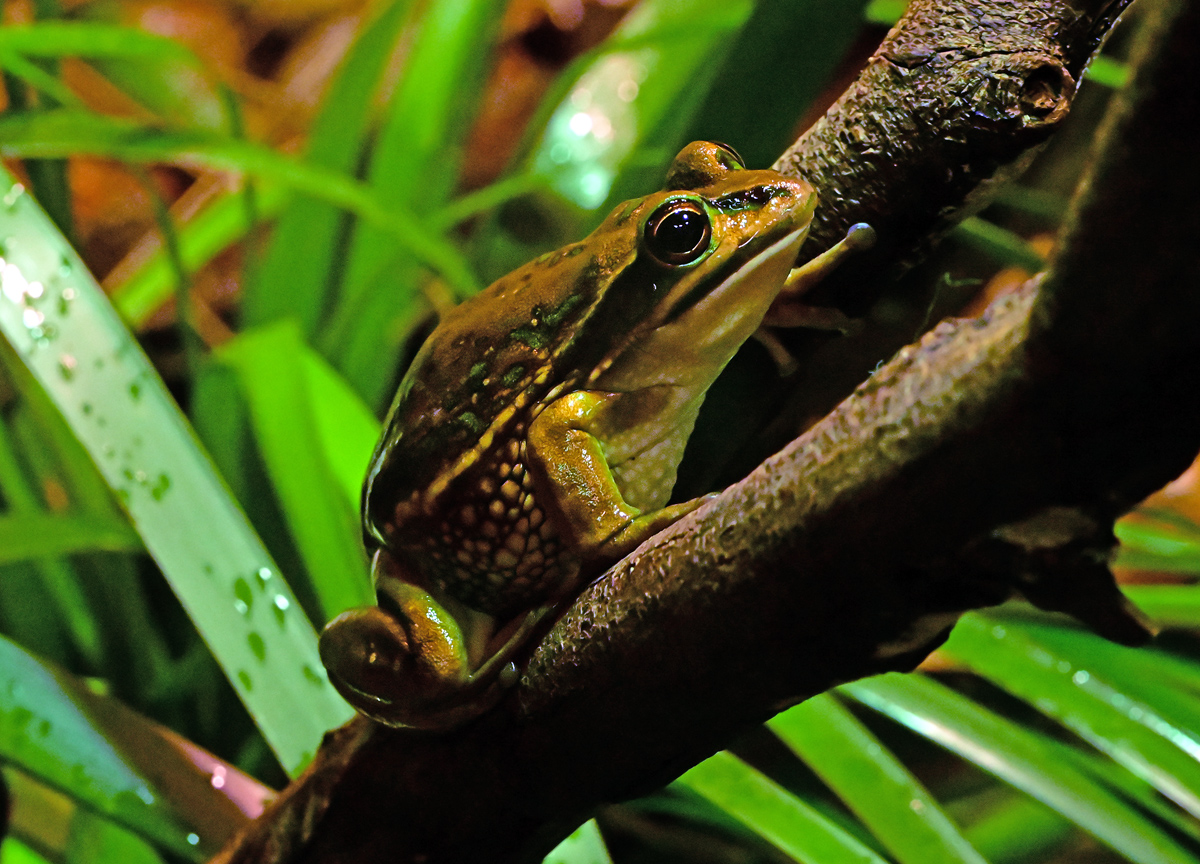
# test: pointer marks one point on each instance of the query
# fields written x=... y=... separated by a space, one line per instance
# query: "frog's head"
x=687 y=272
x=713 y=249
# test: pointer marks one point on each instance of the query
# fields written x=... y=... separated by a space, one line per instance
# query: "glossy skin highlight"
x=535 y=439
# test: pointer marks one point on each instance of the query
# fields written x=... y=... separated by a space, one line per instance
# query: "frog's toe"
x=388 y=675
x=366 y=653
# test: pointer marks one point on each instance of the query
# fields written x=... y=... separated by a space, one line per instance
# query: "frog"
x=535 y=438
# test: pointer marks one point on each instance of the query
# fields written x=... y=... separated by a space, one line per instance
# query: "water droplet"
x=34 y=290
x=145 y=794
x=193 y=839
x=244 y=679
x=1081 y=677
x=218 y=777
x=241 y=590
x=66 y=367
x=160 y=487
x=999 y=632
x=65 y=299
x=280 y=609
x=12 y=195
x=313 y=676
x=242 y=608
x=264 y=576
x=257 y=646
x=32 y=319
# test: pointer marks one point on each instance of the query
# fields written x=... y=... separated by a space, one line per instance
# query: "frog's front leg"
x=410 y=662
x=574 y=483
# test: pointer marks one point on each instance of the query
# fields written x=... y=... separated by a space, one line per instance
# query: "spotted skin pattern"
x=493 y=547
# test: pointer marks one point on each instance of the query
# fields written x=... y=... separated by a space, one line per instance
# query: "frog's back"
x=448 y=484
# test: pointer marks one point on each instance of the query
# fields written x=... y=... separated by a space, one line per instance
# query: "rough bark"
x=852 y=550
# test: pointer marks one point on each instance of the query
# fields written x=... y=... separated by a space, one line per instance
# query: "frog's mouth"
x=689 y=349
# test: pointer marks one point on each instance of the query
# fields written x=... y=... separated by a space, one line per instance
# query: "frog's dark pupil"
x=679 y=233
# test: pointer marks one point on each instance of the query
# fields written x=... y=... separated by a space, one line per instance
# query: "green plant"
x=1053 y=729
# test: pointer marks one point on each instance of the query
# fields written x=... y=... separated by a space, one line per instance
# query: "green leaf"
x=625 y=116
x=113 y=761
x=1104 y=694
x=274 y=379
x=96 y=841
x=873 y=784
x=767 y=83
x=415 y=167
x=1107 y=71
x=1024 y=759
x=774 y=814
x=1018 y=830
x=13 y=851
x=584 y=846
x=157 y=72
x=297 y=271
x=201 y=239
x=61 y=325
x=1170 y=605
x=65 y=132
x=32 y=536
x=999 y=243
x=1156 y=540
x=57 y=39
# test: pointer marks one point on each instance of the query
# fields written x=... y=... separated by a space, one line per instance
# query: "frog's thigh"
x=575 y=485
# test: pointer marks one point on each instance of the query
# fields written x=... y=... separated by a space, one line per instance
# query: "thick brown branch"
x=822 y=566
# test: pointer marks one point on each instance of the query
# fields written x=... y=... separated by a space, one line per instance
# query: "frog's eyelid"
x=739 y=162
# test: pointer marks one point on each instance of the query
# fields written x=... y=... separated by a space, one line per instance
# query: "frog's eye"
x=678 y=232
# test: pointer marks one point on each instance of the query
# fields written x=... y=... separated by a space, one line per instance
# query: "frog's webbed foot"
x=406 y=662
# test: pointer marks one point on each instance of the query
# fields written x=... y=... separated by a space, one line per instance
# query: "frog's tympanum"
x=535 y=439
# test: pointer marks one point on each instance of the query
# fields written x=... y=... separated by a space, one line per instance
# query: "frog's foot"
x=372 y=664
x=407 y=662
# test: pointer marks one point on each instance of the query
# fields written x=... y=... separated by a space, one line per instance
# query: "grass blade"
x=773 y=813
x=296 y=273
x=1021 y=758
x=64 y=132
x=1072 y=680
x=322 y=517
x=872 y=783
x=61 y=325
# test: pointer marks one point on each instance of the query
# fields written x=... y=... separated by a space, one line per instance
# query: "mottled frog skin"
x=535 y=439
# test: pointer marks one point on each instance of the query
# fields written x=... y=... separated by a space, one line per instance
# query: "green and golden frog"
x=535 y=439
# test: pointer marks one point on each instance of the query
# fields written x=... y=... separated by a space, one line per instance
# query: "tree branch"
x=1066 y=403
